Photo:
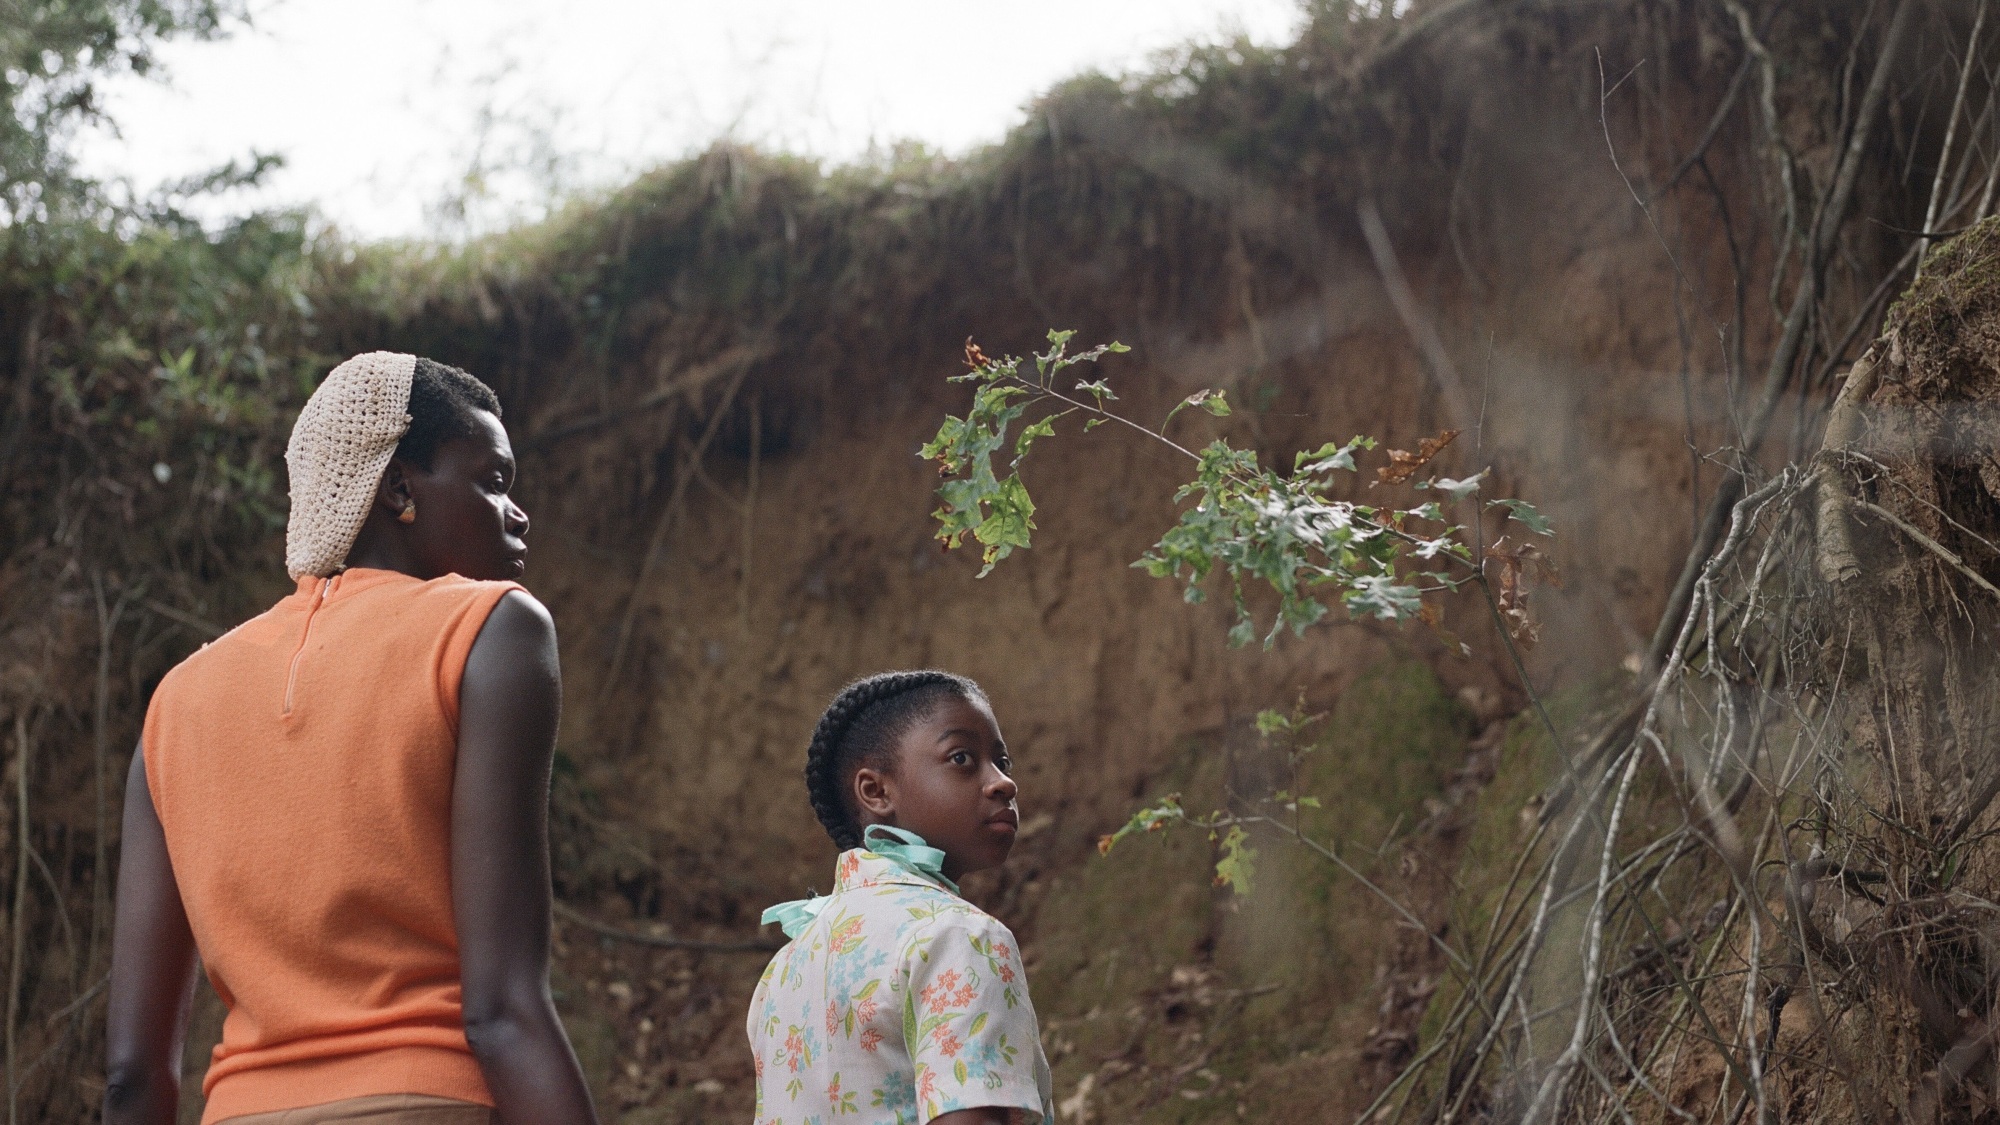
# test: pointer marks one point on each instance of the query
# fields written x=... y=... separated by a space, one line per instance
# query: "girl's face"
x=950 y=786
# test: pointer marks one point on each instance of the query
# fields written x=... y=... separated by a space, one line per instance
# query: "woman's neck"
x=379 y=548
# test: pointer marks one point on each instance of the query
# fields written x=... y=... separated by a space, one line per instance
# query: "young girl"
x=897 y=1001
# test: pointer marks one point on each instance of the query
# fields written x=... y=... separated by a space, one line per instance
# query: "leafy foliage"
x=151 y=362
x=1238 y=865
x=993 y=510
x=53 y=55
x=1288 y=531
x=1236 y=860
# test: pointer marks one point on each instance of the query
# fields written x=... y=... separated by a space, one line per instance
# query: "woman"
x=341 y=805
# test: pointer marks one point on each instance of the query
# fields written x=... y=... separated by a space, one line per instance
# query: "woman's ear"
x=875 y=795
x=393 y=494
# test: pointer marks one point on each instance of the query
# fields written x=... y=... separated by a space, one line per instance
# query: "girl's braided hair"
x=860 y=728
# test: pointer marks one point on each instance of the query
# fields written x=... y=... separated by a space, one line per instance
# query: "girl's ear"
x=875 y=795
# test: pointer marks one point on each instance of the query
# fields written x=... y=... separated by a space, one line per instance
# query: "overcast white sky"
x=381 y=106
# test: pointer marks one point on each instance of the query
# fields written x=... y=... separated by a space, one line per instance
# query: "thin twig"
x=602 y=929
x=657 y=544
x=1951 y=134
x=100 y=870
x=1778 y=376
x=22 y=757
x=1335 y=858
x=1929 y=544
x=1429 y=346
x=1652 y=222
x=1075 y=405
x=750 y=511
x=179 y=616
x=80 y=1001
x=678 y=386
x=1715 y=123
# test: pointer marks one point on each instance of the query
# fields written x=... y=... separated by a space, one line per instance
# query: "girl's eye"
x=960 y=757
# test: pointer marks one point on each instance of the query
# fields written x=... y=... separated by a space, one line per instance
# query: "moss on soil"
x=1938 y=322
x=1232 y=1003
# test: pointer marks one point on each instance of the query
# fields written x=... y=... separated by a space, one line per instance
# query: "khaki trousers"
x=381 y=1109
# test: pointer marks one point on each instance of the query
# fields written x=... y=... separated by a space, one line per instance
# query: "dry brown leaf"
x=1403 y=464
x=1520 y=565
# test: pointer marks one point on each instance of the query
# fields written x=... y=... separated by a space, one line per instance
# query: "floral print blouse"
x=899 y=1002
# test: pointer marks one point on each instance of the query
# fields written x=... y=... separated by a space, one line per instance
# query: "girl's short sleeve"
x=970 y=1029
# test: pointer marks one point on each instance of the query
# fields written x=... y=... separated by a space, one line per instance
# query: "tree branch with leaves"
x=1286 y=530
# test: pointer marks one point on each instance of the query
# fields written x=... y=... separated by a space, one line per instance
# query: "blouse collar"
x=887 y=856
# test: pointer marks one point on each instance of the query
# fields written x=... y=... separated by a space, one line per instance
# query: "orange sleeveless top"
x=302 y=767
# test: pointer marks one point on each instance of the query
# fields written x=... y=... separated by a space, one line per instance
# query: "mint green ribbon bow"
x=908 y=851
x=901 y=847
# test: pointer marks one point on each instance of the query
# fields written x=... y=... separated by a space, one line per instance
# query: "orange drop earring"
x=408 y=514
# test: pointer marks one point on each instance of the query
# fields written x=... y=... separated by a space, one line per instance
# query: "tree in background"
x=53 y=56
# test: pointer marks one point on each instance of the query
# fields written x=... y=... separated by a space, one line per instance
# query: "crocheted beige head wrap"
x=341 y=443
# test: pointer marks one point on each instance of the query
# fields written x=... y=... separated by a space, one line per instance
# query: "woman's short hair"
x=442 y=401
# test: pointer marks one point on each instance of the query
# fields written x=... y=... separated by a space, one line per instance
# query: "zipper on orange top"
x=305 y=634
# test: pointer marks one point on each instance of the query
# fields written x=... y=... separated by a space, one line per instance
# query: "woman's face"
x=950 y=786
x=465 y=522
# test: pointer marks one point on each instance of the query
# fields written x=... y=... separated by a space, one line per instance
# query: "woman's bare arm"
x=152 y=971
x=510 y=701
